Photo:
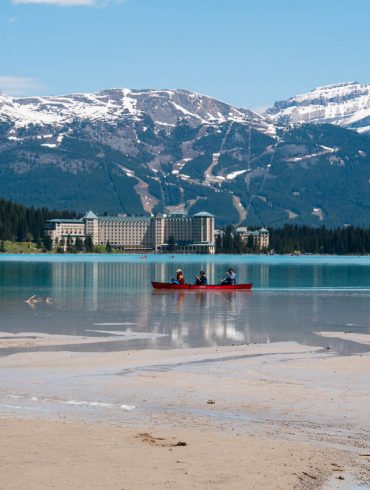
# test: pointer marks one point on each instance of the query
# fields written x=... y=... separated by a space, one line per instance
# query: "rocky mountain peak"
x=164 y=106
x=147 y=151
x=345 y=104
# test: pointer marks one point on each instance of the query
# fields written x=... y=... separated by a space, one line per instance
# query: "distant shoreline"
x=97 y=254
x=89 y=257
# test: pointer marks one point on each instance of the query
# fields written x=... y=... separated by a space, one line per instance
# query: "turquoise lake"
x=292 y=297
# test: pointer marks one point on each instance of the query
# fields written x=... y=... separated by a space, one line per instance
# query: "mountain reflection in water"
x=291 y=299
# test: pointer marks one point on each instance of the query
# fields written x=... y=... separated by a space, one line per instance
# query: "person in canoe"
x=229 y=279
x=179 y=277
x=201 y=280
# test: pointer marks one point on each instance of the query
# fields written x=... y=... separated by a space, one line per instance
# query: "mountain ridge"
x=346 y=104
x=144 y=151
x=114 y=103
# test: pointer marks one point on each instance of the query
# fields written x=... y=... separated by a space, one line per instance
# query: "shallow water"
x=291 y=298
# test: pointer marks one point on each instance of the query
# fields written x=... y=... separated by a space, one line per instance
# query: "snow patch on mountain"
x=232 y=175
x=165 y=107
x=344 y=104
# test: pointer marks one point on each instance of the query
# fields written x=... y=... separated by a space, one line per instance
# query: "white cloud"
x=19 y=86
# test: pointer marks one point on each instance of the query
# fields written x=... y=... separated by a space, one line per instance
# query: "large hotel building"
x=162 y=233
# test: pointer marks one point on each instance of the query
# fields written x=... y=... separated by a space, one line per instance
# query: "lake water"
x=292 y=297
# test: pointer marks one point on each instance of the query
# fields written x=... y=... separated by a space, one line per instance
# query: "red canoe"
x=214 y=287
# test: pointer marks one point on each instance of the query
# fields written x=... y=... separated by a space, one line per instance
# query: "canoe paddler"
x=229 y=279
x=201 y=280
x=179 y=277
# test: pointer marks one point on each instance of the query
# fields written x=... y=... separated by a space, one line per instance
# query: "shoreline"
x=86 y=257
x=149 y=254
x=359 y=338
x=264 y=415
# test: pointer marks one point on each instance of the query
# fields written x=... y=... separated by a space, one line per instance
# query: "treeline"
x=19 y=223
x=305 y=239
x=232 y=243
x=77 y=246
x=300 y=239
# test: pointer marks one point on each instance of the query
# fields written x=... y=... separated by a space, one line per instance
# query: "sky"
x=249 y=53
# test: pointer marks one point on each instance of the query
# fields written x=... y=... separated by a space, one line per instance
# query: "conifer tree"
x=227 y=242
x=79 y=246
x=48 y=243
x=70 y=247
x=89 y=244
x=171 y=243
x=218 y=244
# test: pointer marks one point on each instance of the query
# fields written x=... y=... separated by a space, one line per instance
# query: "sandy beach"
x=275 y=416
x=71 y=455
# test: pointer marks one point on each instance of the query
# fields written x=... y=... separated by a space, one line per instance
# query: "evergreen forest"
x=19 y=223
x=348 y=240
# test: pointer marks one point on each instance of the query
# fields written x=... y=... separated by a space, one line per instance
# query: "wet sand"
x=279 y=416
x=29 y=340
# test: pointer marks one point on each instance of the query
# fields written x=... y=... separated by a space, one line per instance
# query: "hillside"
x=136 y=152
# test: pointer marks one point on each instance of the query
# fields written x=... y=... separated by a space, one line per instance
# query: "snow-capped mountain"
x=149 y=151
x=344 y=104
x=165 y=108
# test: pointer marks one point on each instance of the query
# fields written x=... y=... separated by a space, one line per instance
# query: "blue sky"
x=246 y=52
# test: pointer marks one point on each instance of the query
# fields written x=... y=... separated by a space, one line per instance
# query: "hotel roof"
x=64 y=220
x=203 y=214
x=124 y=218
x=90 y=215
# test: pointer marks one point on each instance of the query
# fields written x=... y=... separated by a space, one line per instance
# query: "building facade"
x=260 y=238
x=162 y=233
